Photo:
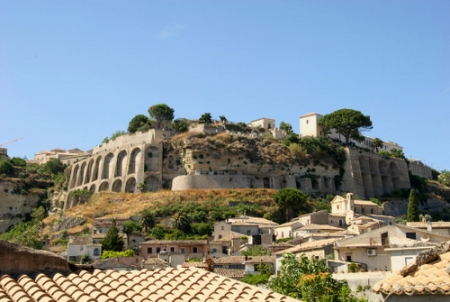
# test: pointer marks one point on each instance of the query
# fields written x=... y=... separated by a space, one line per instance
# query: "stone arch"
x=132 y=167
x=394 y=176
x=130 y=187
x=92 y=188
x=373 y=166
x=89 y=172
x=96 y=168
x=117 y=186
x=104 y=187
x=152 y=159
x=73 y=181
x=365 y=175
x=81 y=174
x=151 y=184
x=107 y=166
x=121 y=163
x=266 y=182
x=385 y=183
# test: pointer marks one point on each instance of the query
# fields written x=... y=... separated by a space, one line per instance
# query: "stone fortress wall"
x=136 y=159
x=120 y=165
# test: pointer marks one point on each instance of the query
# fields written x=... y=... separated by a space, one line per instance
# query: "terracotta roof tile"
x=184 y=284
x=431 y=278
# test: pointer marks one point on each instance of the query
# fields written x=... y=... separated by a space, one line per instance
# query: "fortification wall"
x=188 y=182
x=370 y=175
x=121 y=165
x=420 y=169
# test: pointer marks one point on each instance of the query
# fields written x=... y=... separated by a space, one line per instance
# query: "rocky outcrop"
x=16 y=260
x=16 y=202
x=400 y=207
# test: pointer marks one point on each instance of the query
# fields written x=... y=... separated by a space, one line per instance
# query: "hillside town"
x=363 y=244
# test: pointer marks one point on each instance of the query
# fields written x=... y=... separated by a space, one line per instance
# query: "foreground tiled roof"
x=230 y=272
x=161 y=285
x=431 y=278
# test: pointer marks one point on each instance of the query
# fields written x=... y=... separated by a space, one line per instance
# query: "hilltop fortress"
x=209 y=157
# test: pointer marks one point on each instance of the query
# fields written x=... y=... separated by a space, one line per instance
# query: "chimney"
x=429 y=226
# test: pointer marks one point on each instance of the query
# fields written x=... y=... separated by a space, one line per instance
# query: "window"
x=172 y=249
x=237 y=266
x=371 y=211
x=158 y=250
x=195 y=250
x=362 y=210
x=81 y=248
x=182 y=250
x=249 y=232
x=349 y=258
x=96 y=251
x=341 y=223
x=409 y=260
x=411 y=235
x=220 y=236
x=214 y=250
x=149 y=250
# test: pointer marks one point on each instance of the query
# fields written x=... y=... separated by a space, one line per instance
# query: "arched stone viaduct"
x=120 y=166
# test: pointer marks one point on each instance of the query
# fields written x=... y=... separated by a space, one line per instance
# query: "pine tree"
x=413 y=207
x=112 y=240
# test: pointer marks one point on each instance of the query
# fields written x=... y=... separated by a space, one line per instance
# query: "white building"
x=309 y=126
x=83 y=245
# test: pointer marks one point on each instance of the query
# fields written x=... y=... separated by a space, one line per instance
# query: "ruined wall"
x=14 y=205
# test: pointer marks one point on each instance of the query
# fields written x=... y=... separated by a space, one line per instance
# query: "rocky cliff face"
x=232 y=154
x=16 y=201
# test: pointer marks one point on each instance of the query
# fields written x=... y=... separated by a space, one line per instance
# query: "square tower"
x=309 y=125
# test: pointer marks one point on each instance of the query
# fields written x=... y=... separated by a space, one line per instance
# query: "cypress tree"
x=112 y=240
x=413 y=207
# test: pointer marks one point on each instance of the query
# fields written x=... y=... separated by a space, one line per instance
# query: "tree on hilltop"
x=160 y=113
x=223 y=119
x=286 y=127
x=139 y=123
x=206 y=118
x=347 y=122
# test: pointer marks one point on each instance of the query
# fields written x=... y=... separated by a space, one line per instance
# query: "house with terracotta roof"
x=79 y=246
x=175 y=252
x=388 y=248
x=285 y=230
x=427 y=278
x=438 y=227
x=314 y=229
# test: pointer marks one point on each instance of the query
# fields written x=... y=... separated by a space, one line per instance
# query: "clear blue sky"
x=74 y=72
